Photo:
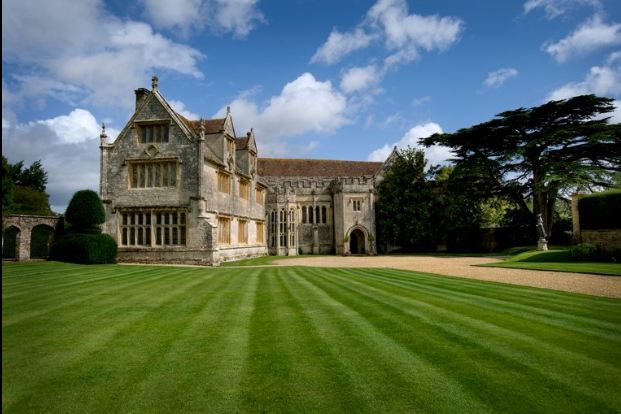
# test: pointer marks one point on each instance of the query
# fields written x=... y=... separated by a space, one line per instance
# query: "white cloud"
x=591 y=35
x=304 y=105
x=404 y=34
x=435 y=154
x=77 y=50
x=179 y=107
x=359 y=78
x=497 y=78
x=339 y=45
x=600 y=80
x=237 y=16
x=556 y=8
x=71 y=155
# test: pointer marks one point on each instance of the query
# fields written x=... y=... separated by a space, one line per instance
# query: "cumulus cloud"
x=403 y=34
x=435 y=154
x=339 y=45
x=360 y=78
x=180 y=108
x=76 y=49
x=589 y=36
x=304 y=105
x=497 y=78
x=556 y=8
x=237 y=16
x=600 y=80
x=71 y=155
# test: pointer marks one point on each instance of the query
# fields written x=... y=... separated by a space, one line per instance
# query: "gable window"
x=357 y=204
x=243 y=189
x=230 y=146
x=259 y=195
x=224 y=183
x=224 y=230
x=242 y=231
x=152 y=174
x=260 y=232
x=152 y=133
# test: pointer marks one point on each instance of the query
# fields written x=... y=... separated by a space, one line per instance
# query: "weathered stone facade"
x=320 y=206
x=183 y=191
x=18 y=231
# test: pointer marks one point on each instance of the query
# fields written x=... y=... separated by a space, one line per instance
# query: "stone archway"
x=27 y=226
x=357 y=242
x=41 y=238
x=10 y=243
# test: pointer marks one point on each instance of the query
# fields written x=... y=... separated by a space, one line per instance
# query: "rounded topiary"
x=85 y=210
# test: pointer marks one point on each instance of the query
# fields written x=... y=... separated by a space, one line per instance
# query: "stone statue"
x=542 y=243
x=541 y=231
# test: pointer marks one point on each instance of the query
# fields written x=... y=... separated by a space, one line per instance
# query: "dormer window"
x=231 y=147
x=152 y=133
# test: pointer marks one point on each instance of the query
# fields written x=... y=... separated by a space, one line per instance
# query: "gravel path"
x=608 y=286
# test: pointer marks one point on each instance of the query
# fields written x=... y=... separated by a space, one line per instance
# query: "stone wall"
x=25 y=224
x=605 y=240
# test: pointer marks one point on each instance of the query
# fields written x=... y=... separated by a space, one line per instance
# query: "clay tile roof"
x=241 y=143
x=283 y=167
x=212 y=126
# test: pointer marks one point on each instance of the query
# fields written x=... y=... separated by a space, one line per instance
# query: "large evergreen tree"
x=531 y=155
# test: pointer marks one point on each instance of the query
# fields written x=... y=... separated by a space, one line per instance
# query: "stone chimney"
x=141 y=95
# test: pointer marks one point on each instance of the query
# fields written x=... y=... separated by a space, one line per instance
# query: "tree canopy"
x=85 y=211
x=531 y=155
x=23 y=189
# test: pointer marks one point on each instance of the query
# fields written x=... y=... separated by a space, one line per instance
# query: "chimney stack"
x=141 y=95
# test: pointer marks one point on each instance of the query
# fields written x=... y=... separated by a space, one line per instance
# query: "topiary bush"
x=82 y=241
x=84 y=249
x=584 y=251
x=600 y=210
x=85 y=211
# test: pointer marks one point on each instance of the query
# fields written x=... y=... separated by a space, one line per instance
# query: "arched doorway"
x=40 y=241
x=10 y=242
x=356 y=242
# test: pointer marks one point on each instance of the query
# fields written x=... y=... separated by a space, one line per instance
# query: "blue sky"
x=315 y=79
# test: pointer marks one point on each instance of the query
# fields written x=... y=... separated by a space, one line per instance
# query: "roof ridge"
x=317 y=159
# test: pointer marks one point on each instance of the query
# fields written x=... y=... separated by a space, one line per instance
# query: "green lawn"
x=89 y=339
x=557 y=260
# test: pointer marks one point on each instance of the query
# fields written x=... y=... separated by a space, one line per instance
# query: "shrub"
x=85 y=210
x=84 y=248
x=600 y=210
x=584 y=251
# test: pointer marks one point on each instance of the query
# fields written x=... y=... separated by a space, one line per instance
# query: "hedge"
x=600 y=210
x=84 y=248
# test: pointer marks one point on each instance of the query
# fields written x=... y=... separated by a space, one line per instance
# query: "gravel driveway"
x=608 y=286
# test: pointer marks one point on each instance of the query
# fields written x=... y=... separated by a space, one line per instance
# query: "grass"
x=108 y=338
x=557 y=260
x=263 y=260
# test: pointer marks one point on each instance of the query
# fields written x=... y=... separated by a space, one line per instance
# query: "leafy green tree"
x=7 y=185
x=537 y=153
x=23 y=189
x=403 y=208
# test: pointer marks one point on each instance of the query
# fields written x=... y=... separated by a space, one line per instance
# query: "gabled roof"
x=289 y=167
x=212 y=126
x=241 y=143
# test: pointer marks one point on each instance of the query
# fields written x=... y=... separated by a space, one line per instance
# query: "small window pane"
x=173 y=175
x=165 y=134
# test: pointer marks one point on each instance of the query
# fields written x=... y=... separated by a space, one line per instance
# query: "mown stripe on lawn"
x=499 y=335
x=389 y=366
x=62 y=368
x=466 y=356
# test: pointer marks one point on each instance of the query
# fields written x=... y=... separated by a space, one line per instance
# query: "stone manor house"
x=191 y=191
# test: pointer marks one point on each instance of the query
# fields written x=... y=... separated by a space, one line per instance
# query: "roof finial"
x=154 y=82
x=228 y=110
x=201 y=136
x=103 y=136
